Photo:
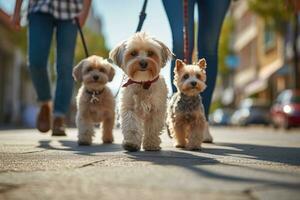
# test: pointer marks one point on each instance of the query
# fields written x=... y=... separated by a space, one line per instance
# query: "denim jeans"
x=211 y=15
x=40 y=32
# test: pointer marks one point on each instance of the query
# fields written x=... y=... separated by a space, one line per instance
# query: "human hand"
x=84 y=13
x=81 y=18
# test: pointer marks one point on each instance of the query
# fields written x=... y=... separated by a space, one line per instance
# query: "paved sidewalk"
x=250 y=163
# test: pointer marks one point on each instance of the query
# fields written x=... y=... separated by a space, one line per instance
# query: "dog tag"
x=94 y=99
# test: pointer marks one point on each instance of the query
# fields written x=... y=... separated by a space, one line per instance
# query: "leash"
x=82 y=38
x=185 y=31
x=143 y=16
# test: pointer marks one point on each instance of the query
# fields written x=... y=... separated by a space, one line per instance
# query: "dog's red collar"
x=146 y=84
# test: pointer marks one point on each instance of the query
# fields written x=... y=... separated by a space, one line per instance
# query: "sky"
x=120 y=19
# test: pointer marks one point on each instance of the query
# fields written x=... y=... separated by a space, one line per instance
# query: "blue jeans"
x=40 y=32
x=211 y=15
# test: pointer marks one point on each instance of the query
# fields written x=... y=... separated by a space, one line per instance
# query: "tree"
x=225 y=45
x=276 y=13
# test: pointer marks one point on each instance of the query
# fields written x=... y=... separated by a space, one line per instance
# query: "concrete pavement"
x=243 y=163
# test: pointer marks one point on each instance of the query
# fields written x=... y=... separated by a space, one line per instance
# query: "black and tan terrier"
x=186 y=119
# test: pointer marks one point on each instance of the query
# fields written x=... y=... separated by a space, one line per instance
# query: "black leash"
x=82 y=38
x=143 y=16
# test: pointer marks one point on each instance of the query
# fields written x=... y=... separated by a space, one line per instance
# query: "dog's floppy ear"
x=202 y=63
x=111 y=73
x=166 y=53
x=179 y=64
x=116 y=54
x=77 y=71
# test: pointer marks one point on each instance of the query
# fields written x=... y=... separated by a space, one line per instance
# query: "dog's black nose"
x=143 y=64
x=95 y=77
x=193 y=83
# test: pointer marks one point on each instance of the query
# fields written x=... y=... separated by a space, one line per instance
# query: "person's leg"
x=211 y=15
x=40 y=32
x=174 y=11
x=66 y=33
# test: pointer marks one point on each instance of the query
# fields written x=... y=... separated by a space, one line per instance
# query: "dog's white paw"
x=131 y=147
x=151 y=148
x=193 y=147
x=85 y=138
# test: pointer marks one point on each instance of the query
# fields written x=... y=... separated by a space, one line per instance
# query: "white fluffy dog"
x=144 y=97
x=95 y=102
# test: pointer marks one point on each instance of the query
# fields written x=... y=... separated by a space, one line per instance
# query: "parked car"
x=251 y=111
x=234 y=120
x=221 y=116
x=285 y=112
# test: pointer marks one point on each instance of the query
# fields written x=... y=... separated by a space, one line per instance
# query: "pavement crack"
x=36 y=151
x=91 y=163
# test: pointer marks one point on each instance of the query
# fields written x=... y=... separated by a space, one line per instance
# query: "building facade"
x=260 y=73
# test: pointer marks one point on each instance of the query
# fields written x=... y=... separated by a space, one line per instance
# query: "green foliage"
x=13 y=39
x=215 y=105
x=276 y=13
x=95 y=44
x=224 y=45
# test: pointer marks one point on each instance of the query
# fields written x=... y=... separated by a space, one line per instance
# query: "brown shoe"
x=43 y=121
x=58 y=127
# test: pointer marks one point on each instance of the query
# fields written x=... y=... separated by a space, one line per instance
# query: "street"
x=243 y=163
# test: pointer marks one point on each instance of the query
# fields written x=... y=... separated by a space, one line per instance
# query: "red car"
x=285 y=111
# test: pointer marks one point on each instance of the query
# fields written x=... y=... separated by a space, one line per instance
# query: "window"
x=269 y=39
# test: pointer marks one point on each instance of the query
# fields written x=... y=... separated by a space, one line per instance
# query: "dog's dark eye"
x=89 y=69
x=102 y=70
x=150 y=53
x=186 y=76
x=198 y=76
x=134 y=53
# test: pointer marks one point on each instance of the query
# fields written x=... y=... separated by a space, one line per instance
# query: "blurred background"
x=258 y=80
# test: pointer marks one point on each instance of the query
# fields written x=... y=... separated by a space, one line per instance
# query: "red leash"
x=185 y=31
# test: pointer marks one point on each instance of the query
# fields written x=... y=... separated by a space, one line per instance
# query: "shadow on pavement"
x=196 y=161
x=283 y=155
x=195 y=164
x=72 y=146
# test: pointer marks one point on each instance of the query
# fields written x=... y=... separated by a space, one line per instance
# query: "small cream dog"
x=144 y=97
x=95 y=102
